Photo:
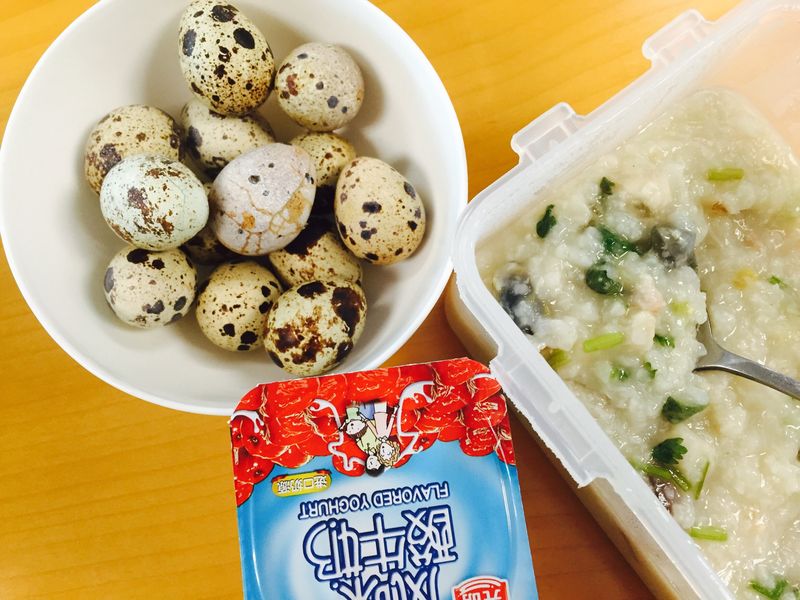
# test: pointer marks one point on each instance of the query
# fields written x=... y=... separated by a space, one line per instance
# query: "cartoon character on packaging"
x=370 y=426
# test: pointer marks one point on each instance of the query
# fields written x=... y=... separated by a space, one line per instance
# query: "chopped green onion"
x=650 y=370
x=725 y=174
x=615 y=244
x=775 y=280
x=682 y=309
x=676 y=411
x=619 y=373
x=656 y=471
x=702 y=481
x=546 y=223
x=669 y=452
x=598 y=281
x=709 y=532
x=775 y=593
x=606 y=187
x=604 y=341
x=556 y=357
x=671 y=475
x=664 y=340
x=679 y=479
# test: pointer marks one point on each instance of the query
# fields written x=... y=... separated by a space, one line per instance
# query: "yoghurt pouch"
x=393 y=484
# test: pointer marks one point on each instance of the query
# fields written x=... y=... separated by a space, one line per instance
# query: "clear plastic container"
x=752 y=50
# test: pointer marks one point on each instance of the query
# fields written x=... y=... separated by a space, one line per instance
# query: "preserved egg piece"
x=519 y=301
x=674 y=246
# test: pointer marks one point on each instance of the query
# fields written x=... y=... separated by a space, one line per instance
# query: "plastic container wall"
x=752 y=50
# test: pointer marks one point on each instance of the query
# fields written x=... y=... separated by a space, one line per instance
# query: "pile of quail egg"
x=278 y=229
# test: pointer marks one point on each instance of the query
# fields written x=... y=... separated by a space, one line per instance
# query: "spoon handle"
x=738 y=365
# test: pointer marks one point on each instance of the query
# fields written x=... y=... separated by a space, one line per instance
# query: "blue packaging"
x=393 y=484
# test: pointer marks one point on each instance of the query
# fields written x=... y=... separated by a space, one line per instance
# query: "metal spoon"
x=717 y=358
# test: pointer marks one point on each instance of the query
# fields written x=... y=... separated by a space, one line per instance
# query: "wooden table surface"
x=106 y=496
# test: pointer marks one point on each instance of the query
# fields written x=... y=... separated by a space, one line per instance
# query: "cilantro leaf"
x=669 y=452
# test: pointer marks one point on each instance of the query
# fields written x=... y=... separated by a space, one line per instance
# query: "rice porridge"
x=610 y=276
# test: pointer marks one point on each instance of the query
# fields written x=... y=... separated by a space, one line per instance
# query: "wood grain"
x=106 y=496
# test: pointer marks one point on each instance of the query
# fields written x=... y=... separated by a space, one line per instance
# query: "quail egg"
x=320 y=86
x=261 y=200
x=153 y=203
x=315 y=254
x=312 y=327
x=379 y=214
x=232 y=305
x=127 y=131
x=213 y=140
x=224 y=57
x=148 y=289
x=329 y=152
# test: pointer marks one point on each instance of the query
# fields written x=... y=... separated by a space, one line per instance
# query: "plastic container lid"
x=752 y=50
x=440 y=517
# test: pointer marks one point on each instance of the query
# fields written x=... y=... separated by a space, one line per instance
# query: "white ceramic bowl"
x=125 y=52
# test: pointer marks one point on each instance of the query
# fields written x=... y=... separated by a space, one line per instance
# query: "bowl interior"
x=123 y=52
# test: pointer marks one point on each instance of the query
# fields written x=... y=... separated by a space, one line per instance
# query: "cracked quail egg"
x=261 y=200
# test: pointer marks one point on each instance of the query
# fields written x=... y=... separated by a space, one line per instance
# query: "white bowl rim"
x=436 y=286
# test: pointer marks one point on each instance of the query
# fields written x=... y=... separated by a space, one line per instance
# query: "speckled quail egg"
x=312 y=327
x=127 y=131
x=148 y=289
x=320 y=86
x=213 y=140
x=232 y=305
x=224 y=57
x=379 y=215
x=153 y=203
x=329 y=152
x=261 y=200
x=315 y=254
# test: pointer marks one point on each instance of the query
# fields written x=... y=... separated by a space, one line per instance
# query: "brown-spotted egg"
x=232 y=306
x=313 y=327
x=224 y=57
x=148 y=289
x=127 y=131
x=153 y=203
x=379 y=214
x=315 y=254
x=213 y=140
x=329 y=152
x=320 y=86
